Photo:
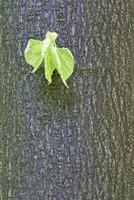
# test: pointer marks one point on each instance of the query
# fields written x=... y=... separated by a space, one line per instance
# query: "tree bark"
x=67 y=144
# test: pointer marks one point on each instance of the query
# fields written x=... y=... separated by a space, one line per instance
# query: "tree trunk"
x=67 y=144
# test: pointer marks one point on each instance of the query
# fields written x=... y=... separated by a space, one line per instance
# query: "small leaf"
x=49 y=65
x=64 y=62
x=54 y=58
x=33 y=53
x=67 y=63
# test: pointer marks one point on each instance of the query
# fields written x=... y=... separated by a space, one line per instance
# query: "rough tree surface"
x=60 y=144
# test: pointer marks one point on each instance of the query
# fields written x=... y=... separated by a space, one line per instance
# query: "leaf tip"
x=65 y=84
x=34 y=70
x=49 y=83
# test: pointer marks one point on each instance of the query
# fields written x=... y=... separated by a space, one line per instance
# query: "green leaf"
x=49 y=65
x=33 y=53
x=64 y=62
x=67 y=63
x=54 y=58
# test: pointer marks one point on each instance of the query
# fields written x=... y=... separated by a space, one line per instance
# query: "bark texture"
x=60 y=144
